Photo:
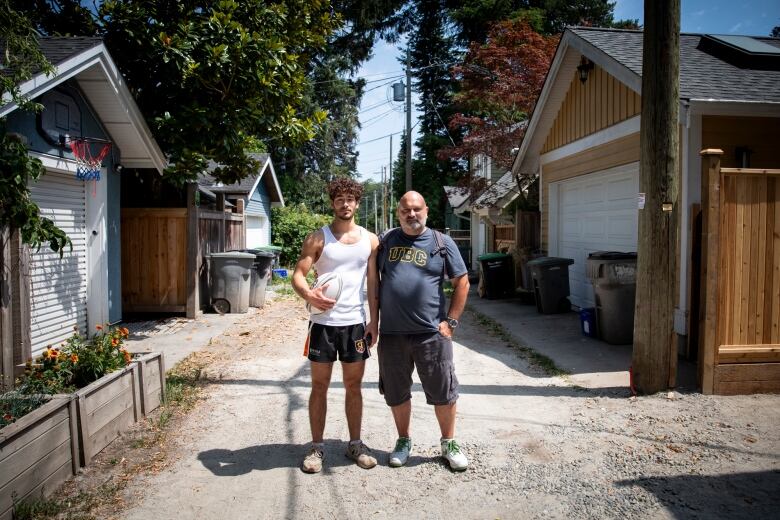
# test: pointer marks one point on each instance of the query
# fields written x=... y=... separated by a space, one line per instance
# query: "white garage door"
x=257 y=234
x=595 y=212
x=58 y=288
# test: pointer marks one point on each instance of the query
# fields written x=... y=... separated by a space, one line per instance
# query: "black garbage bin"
x=261 y=271
x=498 y=275
x=613 y=275
x=550 y=276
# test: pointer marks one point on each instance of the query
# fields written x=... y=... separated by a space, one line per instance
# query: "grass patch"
x=497 y=330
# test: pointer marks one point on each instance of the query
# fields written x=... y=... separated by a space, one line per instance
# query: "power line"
x=378 y=138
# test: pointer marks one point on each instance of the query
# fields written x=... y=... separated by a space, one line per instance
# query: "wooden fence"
x=164 y=251
x=504 y=237
x=739 y=313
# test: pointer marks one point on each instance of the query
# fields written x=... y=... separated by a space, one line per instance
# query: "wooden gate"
x=740 y=282
x=154 y=259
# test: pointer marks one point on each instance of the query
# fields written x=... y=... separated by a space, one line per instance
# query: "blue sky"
x=381 y=117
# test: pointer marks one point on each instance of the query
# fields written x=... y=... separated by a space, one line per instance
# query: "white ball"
x=332 y=291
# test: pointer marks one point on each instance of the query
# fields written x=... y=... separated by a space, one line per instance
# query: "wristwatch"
x=452 y=322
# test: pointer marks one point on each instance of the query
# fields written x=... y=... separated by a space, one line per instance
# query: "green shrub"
x=77 y=362
x=291 y=225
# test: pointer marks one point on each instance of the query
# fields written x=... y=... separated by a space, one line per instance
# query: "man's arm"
x=372 y=290
x=460 y=286
x=312 y=247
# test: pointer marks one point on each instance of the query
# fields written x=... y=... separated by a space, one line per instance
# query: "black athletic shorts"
x=347 y=343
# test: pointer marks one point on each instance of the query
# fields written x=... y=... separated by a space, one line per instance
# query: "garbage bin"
x=275 y=250
x=498 y=275
x=261 y=272
x=550 y=276
x=230 y=281
x=613 y=275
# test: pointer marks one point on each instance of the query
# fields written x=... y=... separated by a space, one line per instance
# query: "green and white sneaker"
x=451 y=452
x=401 y=452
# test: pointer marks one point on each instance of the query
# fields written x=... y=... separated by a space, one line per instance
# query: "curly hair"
x=344 y=186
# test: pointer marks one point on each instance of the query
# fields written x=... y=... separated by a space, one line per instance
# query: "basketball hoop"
x=88 y=164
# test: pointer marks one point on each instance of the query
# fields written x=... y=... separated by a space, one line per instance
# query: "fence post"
x=222 y=220
x=710 y=240
x=193 y=250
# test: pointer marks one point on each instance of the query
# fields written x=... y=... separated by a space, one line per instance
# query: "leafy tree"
x=306 y=168
x=210 y=77
x=432 y=53
x=292 y=224
x=500 y=82
x=775 y=32
x=21 y=59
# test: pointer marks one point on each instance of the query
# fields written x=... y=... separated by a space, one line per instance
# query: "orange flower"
x=46 y=354
x=114 y=342
x=99 y=327
x=125 y=332
x=74 y=358
x=127 y=356
x=8 y=417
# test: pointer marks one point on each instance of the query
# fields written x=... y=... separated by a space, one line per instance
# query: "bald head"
x=412 y=213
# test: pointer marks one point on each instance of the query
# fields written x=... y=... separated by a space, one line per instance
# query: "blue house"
x=260 y=192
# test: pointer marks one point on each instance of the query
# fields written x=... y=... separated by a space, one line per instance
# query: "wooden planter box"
x=151 y=375
x=106 y=408
x=38 y=453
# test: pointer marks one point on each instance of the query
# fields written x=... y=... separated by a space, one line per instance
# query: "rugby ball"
x=332 y=291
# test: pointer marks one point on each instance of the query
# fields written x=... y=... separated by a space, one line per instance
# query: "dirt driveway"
x=539 y=448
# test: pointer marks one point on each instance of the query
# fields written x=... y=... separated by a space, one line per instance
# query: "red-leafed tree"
x=499 y=84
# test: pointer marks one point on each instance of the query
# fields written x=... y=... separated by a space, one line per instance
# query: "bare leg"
x=445 y=414
x=353 y=377
x=402 y=414
x=318 y=400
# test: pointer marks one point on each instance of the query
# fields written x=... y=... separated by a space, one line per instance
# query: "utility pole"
x=382 y=227
x=408 y=120
x=390 y=186
x=376 y=217
x=654 y=363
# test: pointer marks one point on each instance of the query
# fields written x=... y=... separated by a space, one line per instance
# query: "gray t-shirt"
x=411 y=294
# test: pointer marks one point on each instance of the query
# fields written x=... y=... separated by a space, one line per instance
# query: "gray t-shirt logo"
x=408 y=254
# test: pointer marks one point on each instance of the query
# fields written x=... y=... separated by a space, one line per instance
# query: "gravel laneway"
x=538 y=447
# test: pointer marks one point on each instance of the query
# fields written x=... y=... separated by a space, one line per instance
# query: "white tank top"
x=350 y=261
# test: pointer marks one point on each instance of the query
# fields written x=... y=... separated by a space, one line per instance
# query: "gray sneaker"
x=401 y=452
x=360 y=453
x=312 y=463
x=451 y=451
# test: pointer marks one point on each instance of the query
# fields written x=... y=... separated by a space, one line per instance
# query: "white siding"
x=58 y=288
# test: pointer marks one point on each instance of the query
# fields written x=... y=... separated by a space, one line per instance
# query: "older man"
x=416 y=327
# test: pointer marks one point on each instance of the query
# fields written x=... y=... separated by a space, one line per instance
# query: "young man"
x=416 y=328
x=340 y=332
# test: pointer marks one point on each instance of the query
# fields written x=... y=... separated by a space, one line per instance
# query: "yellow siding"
x=600 y=102
x=759 y=134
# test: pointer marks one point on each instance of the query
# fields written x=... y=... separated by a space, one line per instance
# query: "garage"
x=58 y=286
x=594 y=212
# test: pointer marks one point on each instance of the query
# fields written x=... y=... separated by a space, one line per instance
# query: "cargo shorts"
x=431 y=354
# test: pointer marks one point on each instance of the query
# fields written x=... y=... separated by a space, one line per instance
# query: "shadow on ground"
x=737 y=495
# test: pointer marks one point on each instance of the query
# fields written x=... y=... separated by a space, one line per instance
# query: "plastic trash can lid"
x=232 y=254
x=612 y=255
x=492 y=256
x=551 y=260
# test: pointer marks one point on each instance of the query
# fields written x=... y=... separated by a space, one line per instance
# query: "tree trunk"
x=655 y=342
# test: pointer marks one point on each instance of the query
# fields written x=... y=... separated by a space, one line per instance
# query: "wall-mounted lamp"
x=584 y=68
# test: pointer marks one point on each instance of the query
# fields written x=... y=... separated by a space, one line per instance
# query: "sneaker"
x=451 y=451
x=360 y=453
x=313 y=461
x=401 y=452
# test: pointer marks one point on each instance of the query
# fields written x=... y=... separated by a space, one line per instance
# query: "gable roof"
x=247 y=185
x=87 y=61
x=704 y=74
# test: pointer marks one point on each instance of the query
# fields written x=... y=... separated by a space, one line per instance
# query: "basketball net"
x=88 y=165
